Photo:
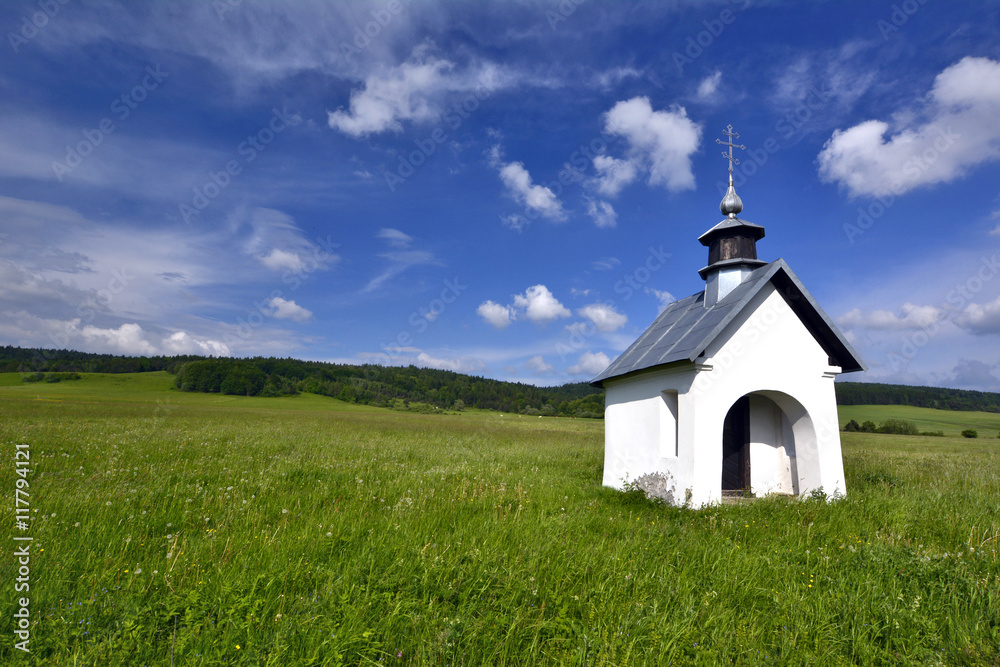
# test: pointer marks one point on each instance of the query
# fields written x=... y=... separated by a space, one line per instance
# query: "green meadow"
x=173 y=528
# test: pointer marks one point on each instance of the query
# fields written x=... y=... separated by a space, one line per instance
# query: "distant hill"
x=871 y=393
x=394 y=385
x=391 y=386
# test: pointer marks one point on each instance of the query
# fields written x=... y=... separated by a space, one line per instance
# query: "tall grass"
x=265 y=535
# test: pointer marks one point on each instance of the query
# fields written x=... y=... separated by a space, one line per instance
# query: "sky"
x=506 y=189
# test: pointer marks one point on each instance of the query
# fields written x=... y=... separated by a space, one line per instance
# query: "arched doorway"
x=768 y=446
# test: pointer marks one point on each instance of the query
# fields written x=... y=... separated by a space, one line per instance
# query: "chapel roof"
x=685 y=328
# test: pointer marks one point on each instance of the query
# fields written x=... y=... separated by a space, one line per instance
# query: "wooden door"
x=736 y=447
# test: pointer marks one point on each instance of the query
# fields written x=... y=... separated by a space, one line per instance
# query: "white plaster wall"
x=766 y=350
x=771 y=448
x=641 y=433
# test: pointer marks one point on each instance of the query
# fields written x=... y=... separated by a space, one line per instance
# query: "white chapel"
x=730 y=390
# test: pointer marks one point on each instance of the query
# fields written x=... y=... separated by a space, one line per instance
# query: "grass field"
x=210 y=530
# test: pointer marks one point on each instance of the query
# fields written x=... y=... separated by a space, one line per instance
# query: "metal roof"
x=686 y=327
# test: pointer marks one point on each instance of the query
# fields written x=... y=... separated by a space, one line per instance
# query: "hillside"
x=399 y=386
x=369 y=384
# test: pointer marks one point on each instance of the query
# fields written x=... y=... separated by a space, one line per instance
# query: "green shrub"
x=898 y=427
x=970 y=433
x=936 y=434
x=869 y=427
x=852 y=426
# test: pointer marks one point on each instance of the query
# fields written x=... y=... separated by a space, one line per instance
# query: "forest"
x=410 y=387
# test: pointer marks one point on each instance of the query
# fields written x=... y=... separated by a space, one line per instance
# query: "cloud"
x=958 y=132
x=395 y=237
x=980 y=319
x=181 y=342
x=414 y=91
x=526 y=193
x=496 y=315
x=708 y=86
x=515 y=222
x=910 y=318
x=972 y=373
x=603 y=316
x=602 y=213
x=665 y=298
x=537 y=365
x=660 y=144
x=278 y=260
x=459 y=365
x=131 y=339
x=605 y=263
x=285 y=309
x=614 y=174
x=589 y=363
x=272 y=238
x=540 y=306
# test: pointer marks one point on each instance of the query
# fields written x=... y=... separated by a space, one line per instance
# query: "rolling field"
x=189 y=529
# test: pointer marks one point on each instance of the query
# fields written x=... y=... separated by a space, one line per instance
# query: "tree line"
x=372 y=384
x=872 y=393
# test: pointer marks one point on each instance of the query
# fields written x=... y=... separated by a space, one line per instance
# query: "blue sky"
x=510 y=189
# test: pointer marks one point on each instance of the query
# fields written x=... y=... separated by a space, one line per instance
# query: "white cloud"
x=526 y=193
x=279 y=260
x=589 y=363
x=286 y=309
x=273 y=239
x=708 y=86
x=131 y=339
x=602 y=213
x=995 y=231
x=459 y=365
x=496 y=315
x=660 y=143
x=665 y=298
x=958 y=132
x=395 y=237
x=605 y=263
x=981 y=319
x=515 y=222
x=603 y=316
x=910 y=318
x=537 y=365
x=540 y=306
x=614 y=174
x=181 y=342
x=414 y=91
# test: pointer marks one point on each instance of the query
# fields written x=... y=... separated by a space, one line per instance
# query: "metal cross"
x=729 y=156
